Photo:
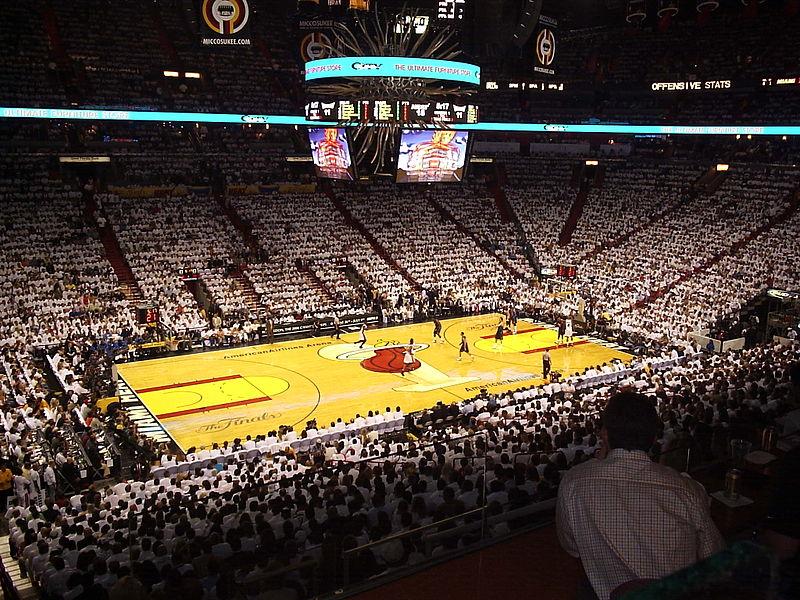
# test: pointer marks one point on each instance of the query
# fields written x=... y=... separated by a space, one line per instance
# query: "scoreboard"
x=147 y=316
x=391 y=111
x=568 y=271
x=451 y=10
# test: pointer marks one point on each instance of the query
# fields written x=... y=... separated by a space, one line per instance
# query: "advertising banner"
x=545 y=45
x=224 y=22
x=393 y=66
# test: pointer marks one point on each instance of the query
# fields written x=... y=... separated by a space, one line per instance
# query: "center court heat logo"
x=386 y=357
x=226 y=17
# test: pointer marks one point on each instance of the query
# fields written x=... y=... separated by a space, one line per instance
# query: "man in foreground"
x=626 y=517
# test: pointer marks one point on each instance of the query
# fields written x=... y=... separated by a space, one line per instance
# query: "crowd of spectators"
x=303 y=234
x=649 y=241
x=241 y=517
x=407 y=225
x=169 y=240
x=315 y=259
x=656 y=255
x=541 y=195
x=476 y=211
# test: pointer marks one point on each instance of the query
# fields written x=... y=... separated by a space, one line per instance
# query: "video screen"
x=432 y=156
x=330 y=152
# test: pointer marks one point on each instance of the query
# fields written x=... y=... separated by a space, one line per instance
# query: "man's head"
x=630 y=422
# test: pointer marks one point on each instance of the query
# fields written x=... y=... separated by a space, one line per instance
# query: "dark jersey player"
x=561 y=329
x=437 y=332
x=498 y=336
x=464 y=347
x=512 y=320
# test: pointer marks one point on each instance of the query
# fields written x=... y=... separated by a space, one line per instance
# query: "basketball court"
x=215 y=396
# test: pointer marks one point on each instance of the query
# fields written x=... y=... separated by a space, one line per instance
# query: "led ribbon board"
x=64 y=114
x=68 y=114
x=637 y=129
x=393 y=66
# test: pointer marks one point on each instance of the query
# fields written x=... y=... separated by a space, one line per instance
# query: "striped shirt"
x=628 y=518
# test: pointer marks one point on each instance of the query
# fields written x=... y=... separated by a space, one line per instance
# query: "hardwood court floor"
x=214 y=396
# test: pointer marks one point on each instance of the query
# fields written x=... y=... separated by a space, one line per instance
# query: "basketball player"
x=408 y=357
x=546 y=364
x=362 y=335
x=498 y=335
x=512 y=319
x=568 y=332
x=561 y=329
x=464 y=348
x=437 y=331
x=337 y=330
x=270 y=329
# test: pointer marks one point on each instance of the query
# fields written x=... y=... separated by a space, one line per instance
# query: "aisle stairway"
x=376 y=246
x=242 y=225
x=317 y=283
x=22 y=585
x=624 y=237
x=246 y=289
x=711 y=181
x=791 y=208
x=575 y=213
x=113 y=254
x=74 y=81
x=167 y=47
x=54 y=39
x=496 y=186
x=448 y=216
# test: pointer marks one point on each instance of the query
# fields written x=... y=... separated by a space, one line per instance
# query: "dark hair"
x=631 y=422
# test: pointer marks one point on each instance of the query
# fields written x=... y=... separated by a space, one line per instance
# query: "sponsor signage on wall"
x=691 y=86
x=393 y=66
x=545 y=45
x=224 y=22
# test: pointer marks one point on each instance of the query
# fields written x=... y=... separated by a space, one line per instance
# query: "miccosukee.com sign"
x=224 y=22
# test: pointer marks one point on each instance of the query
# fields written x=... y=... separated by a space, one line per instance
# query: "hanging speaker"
x=527 y=22
x=636 y=12
x=667 y=8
